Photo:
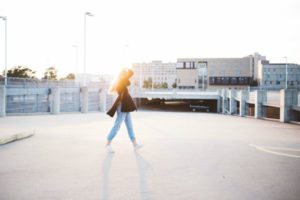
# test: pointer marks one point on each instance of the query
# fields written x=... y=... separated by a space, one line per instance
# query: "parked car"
x=195 y=108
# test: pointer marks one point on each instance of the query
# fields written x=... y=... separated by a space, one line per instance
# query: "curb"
x=15 y=137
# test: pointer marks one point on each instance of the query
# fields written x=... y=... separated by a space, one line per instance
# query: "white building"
x=155 y=72
x=273 y=75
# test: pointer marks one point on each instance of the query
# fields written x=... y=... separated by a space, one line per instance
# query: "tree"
x=174 y=85
x=70 y=76
x=50 y=74
x=165 y=85
x=20 y=72
x=254 y=82
x=148 y=83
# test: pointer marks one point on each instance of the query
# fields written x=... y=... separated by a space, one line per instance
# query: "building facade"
x=215 y=73
x=273 y=76
x=155 y=74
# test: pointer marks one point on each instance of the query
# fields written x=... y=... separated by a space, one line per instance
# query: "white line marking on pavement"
x=269 y=150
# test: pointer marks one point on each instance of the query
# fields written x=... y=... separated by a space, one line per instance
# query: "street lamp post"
x=84 y=46
x=5 y=59
x=286 y=72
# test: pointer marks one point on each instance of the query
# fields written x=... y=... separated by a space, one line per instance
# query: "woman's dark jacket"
x=124 y=98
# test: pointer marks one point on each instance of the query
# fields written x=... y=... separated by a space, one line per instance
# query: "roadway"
x=186 y=156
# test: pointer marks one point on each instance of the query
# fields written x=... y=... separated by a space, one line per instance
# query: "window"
x=222 y=72
x=226 y=80
x=237 y=72
x=241 y=80
x=234 y=80
x=277 y=82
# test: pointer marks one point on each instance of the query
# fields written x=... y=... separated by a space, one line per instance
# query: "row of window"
x=192 y=65
x=282 y=70
x=229 y=80
x=281 y=82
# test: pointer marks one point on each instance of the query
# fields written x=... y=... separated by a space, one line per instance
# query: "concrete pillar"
x=224 y=97
x=243 y=103
x=219 y=105
x=258 y=100
x=55 y=105
x=2 y=101
x=288 y=98
x=85 y=99
x=103 y=94
x=232 y=104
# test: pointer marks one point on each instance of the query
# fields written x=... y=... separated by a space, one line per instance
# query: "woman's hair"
x=121 y=80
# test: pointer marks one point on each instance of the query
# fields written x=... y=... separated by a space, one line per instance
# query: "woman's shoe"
x=138 y=146
x=109 y=149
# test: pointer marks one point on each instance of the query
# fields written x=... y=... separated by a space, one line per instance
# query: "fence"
x=23 y=96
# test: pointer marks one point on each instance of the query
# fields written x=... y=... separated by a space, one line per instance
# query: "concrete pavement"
x=186 y=156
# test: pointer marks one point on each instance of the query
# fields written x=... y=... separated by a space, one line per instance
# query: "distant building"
x=154 y=74
x=216 y=73
x=273 y=75
x=88 y=78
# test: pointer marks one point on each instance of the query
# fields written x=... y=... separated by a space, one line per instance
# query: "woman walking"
x=123 y=106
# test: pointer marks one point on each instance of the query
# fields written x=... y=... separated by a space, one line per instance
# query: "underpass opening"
x=179 y=105
x=250 y=109
x=237 y=107
x=295 y=115
x=271 y=112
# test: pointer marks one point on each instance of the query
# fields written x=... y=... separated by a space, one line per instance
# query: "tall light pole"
x=286 y=72
x=4 y=18
x=84 y=46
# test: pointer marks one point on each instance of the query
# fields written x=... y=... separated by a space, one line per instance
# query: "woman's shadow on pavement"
x=106 y=165
x=142 y=165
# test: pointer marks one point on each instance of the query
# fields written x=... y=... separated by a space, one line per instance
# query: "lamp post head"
x=3 y=17
x=89 y=14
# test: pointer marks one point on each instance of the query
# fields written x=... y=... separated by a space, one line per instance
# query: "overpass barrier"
x=23 y=96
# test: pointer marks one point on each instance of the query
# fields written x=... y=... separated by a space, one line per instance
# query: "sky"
x=44 y=33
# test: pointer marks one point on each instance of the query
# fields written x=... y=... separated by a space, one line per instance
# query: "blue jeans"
x=122 y=116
